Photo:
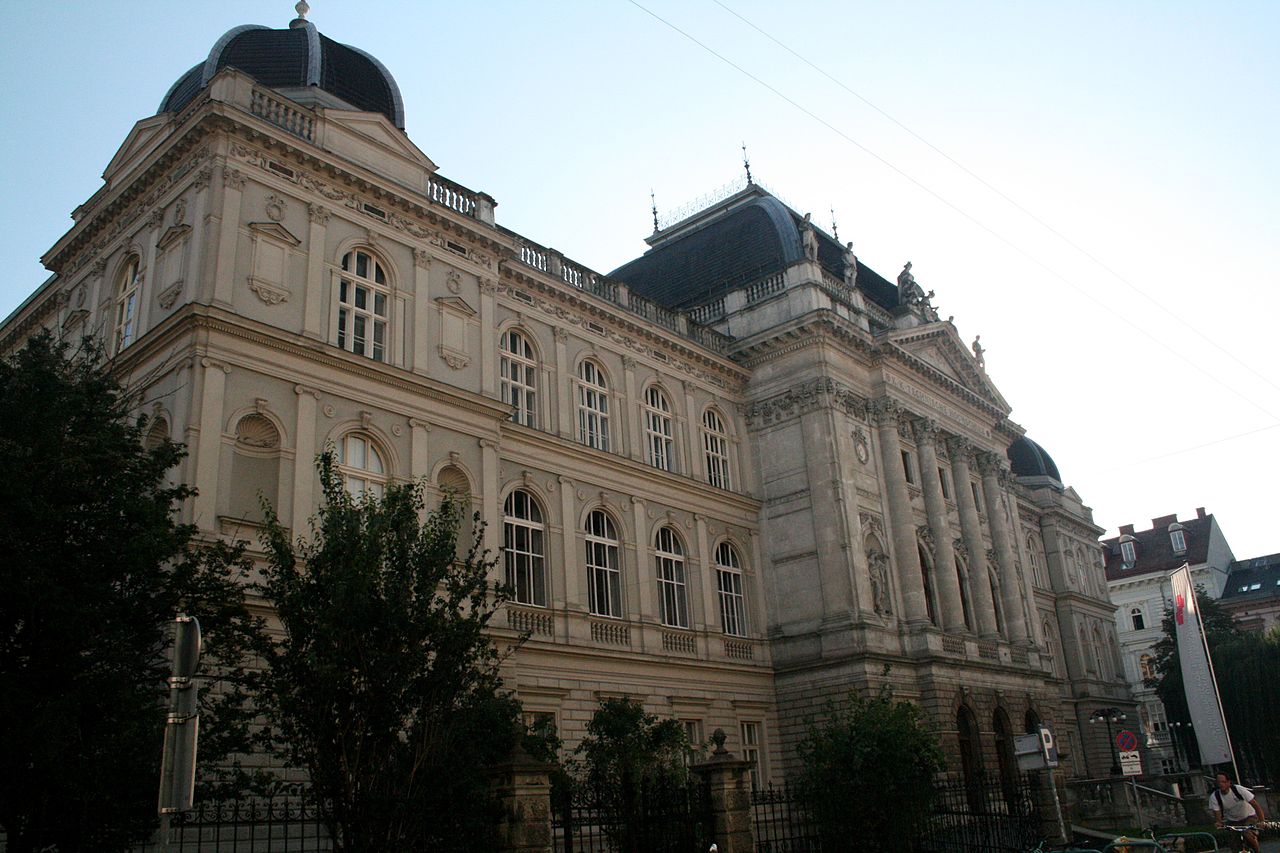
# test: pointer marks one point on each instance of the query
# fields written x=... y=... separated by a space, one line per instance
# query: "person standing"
x=1232 y=803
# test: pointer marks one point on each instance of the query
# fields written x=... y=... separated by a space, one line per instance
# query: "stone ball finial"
x=718 y=737
x=302 y=8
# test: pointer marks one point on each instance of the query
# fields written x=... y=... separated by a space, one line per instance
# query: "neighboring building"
x=1251 y=593
x=1138 y=568
x=739 y=477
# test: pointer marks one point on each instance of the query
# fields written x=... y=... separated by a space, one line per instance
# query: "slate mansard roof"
x=298 y=58
x=754 y=239
x=1154 y=548
x=1260 y=572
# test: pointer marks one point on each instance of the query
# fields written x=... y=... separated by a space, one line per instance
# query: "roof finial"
x=302 y=9
x=746 y=164
x=835 y=229
x=653 y=202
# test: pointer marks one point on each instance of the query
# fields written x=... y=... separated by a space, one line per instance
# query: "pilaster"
x=902 y=529
x=944 y=558
x=971 y=529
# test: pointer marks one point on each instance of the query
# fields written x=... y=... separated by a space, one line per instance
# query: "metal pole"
x=1137 y=803
x=164 y=832
x=1057 y=807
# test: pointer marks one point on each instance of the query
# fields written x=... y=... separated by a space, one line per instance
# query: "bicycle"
x=1259 y=829
x=1046 y=847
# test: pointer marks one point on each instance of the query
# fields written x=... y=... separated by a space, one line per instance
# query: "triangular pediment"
x=173 y=235
x=274 y=230
x=938 y=348
x=375 y=128
x=140 y=142
x=456 y=304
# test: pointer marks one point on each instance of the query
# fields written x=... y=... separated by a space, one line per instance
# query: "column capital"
x=989 y=463
x=884 y=411
x=318 y=213
x=959 y=447
x=926 y=430
x=303 y=390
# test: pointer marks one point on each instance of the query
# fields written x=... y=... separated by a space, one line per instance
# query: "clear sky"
x=1143 y=357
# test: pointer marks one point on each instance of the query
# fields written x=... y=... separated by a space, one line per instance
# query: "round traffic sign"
x=1126 y=741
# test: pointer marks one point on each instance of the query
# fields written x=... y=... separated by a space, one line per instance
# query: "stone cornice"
x=888 y=350
x=565 y=303
x=822 y=392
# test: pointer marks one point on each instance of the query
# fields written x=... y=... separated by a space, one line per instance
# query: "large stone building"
x=738 y=477
x=1139 y=563
x=1251 y=593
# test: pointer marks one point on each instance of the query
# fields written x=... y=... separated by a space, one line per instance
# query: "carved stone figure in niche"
x=810 y=239
x=909 y=293
x=879 y=563
x=979 y=352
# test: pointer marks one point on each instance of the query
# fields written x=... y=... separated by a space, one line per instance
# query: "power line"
x=963 y=213
x=1029 y=214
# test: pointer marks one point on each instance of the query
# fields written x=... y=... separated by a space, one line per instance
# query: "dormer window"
x=1128 y=553
x=1178 y=539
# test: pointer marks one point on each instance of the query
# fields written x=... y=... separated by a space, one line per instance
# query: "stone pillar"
x=491 y=507
x=151 y=278
x=971 y=527
x=228 y=237
x=902 y=527
x=304 y=458
x=575 y=582
x=944 y=558
x=641 y=600
x=631 y=410
x=522 y=787
x=314 y=290
x=1001 y=538
x=421 y=357
x=208 y=444
x=488 y=342
x=566 y=425
x=695 y=463
x=726 y=778
x=835 y=577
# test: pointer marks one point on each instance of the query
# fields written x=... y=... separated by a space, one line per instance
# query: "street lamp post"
x=1109 y=716
x=1176 y=730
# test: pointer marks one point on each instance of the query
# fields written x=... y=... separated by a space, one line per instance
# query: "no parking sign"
x=1126 y=741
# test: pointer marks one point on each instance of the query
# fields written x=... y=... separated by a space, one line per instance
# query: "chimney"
x=1126 y=529
x=1199 y=512
x=1163 y=521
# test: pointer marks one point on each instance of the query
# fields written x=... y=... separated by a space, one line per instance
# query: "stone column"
x=944 y=558
x=641 y=602
x=304 y=453
x=902 y=527
x=522 y=787
x=313 y=289
x=726 y=778
x=703 y=583
x=631 y=410
x=147 y=292
x=1001 y=538
x=575 y=583
x=228 y=237
x=419 y=448
x=491 y=507
x=695 y=463
x=566 y=425
x=971 y=527
x=208 y=444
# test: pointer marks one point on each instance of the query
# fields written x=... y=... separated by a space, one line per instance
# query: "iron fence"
x=656 y=820
x=250 y=825
x=984 y=815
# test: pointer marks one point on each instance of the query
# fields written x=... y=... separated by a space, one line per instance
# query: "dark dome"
x=1029 y=459
x=298 y=58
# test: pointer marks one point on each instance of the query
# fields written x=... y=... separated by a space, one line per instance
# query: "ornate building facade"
x=737 y=478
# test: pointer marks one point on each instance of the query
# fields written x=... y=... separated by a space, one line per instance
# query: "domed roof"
x=305 y=65
x=1029 y=459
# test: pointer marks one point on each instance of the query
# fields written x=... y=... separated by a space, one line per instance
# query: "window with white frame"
x=657 y=429
x=593 y=406
x=604 y=575
x=523 y=548
x=733 y=603
x=1137 y=619
x=361 y=466
x=715 y=448
x=363 y=301
x=518 y=369
x=128 y=287
x=1178 y=539
x=1128 y=554
x=673 y=599
x=693 y=737
x=751 y=751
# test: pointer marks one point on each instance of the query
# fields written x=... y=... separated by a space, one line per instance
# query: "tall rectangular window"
x=518 y=372
x=733 y=604
x=673 y=601
x=522 y=533
x=907 y=468
x=362 y=306
x=658 y=446
x=604 y=576
x=715 y=448
x=593 y=406
x=751 y=751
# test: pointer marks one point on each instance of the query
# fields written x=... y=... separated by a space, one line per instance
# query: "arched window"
x=733 y=603
x=715 y=448
x=604 y=575
x=519 y=377
x=1146 y=668
x=1098 y=649
x=962 y=571
x=1033 y=554
x=363 y=299
x=128 y=289
x=1137 y=619
x=593 y=406
x=361 y=466
x=970 y=752
x=1051 y=643
x=657 y=429
x=673 y=599
x=452 y=480
x=1090 y=657
x=523 y=548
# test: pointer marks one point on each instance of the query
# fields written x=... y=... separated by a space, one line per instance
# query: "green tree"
x=384 y=685
x=867 y=772
x=634 y=762
x=93 y=568
x=1242 y=662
